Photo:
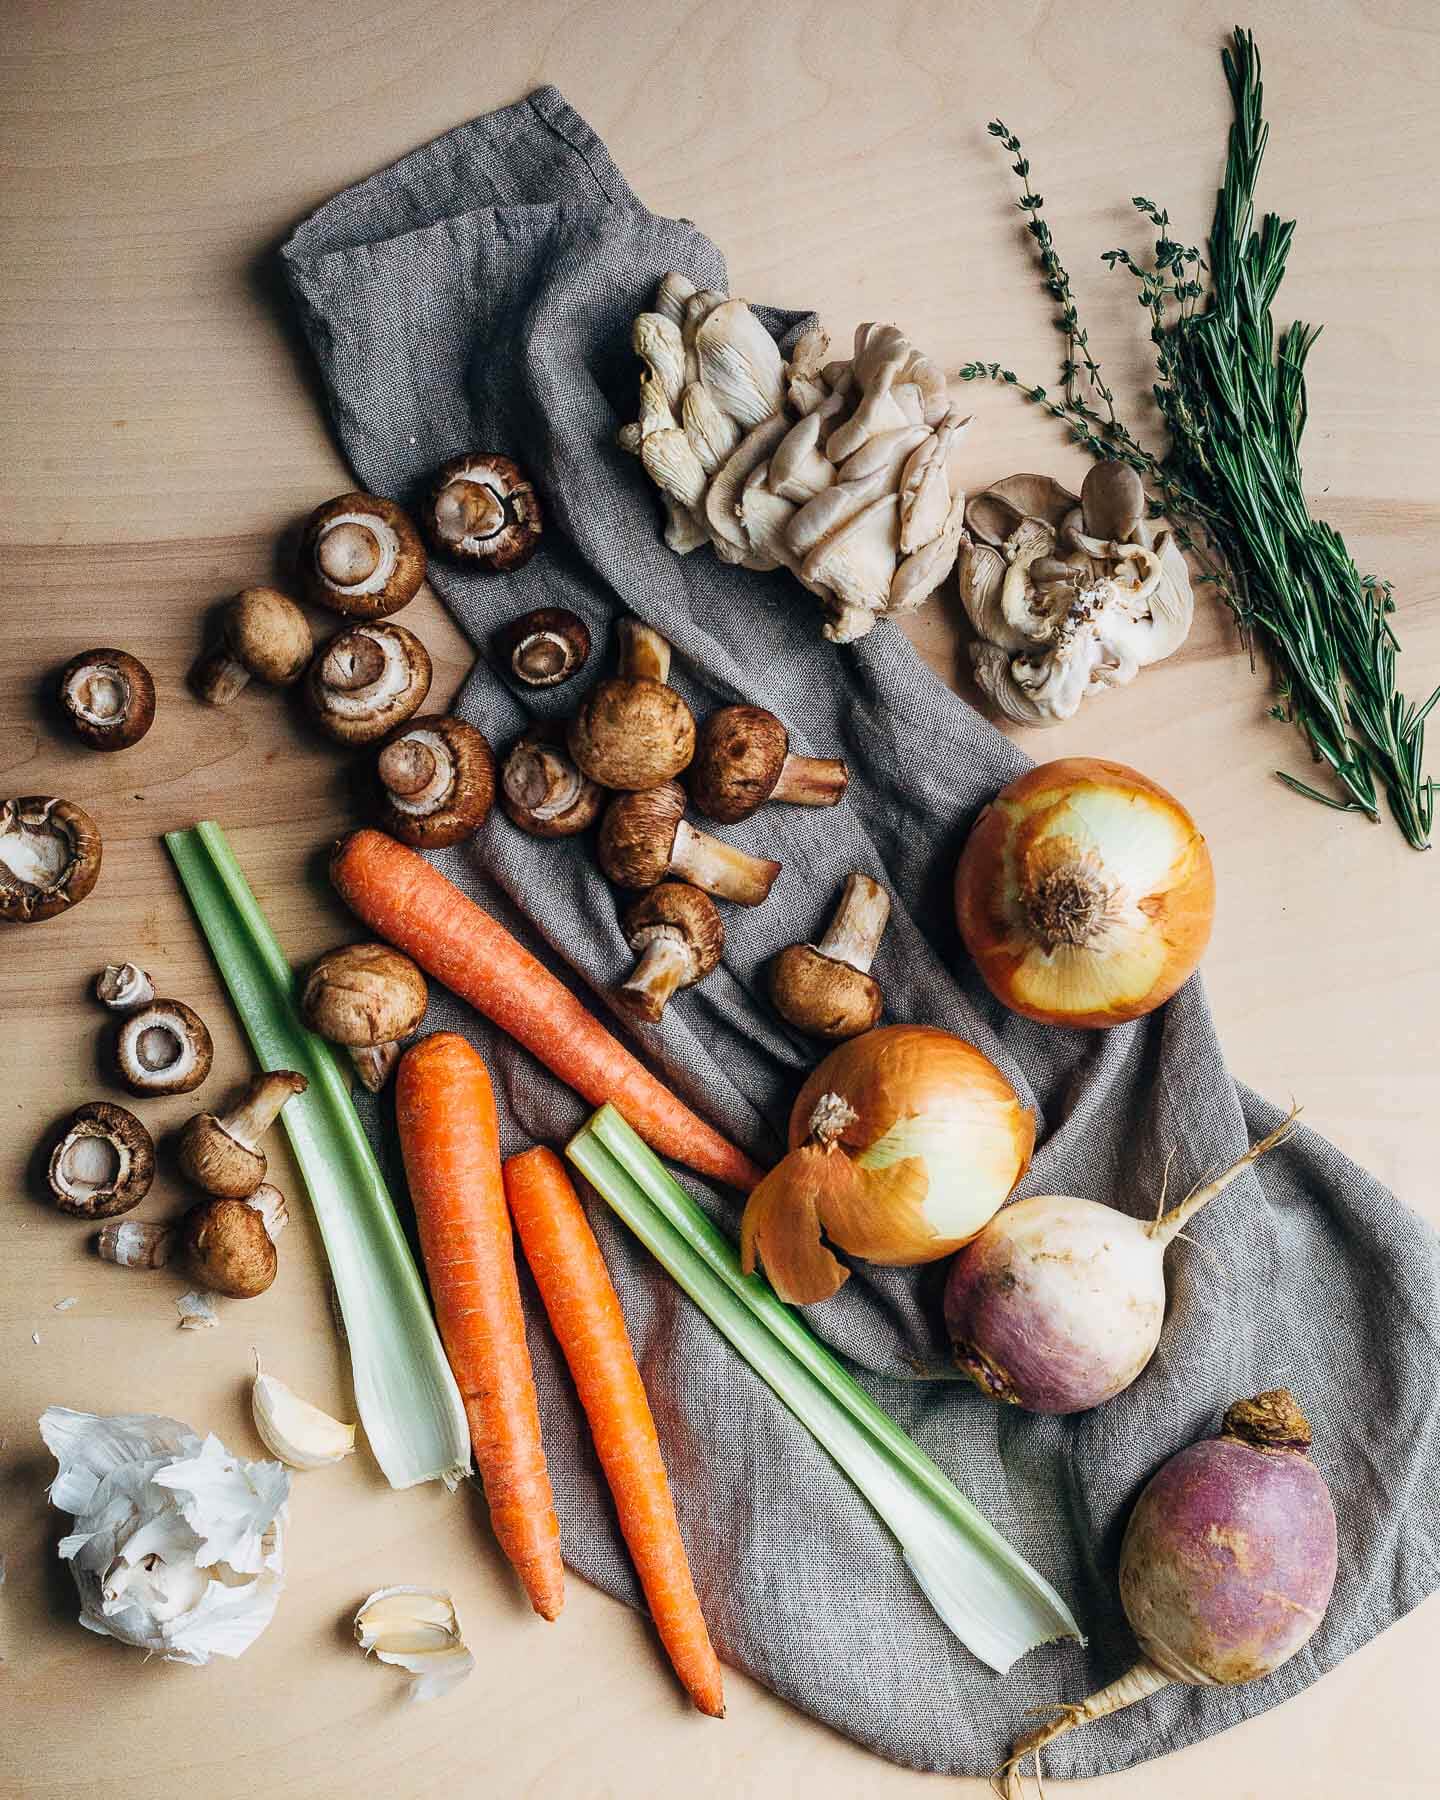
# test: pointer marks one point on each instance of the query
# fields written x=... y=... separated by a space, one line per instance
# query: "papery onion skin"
x=1044 y=909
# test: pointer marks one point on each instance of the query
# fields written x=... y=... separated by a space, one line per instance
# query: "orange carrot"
x=585 y=1314
x=415 y=908
x=450 y=1138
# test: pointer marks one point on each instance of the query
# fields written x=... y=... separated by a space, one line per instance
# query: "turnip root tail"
x=1135 y=1684
x=1168 y=1224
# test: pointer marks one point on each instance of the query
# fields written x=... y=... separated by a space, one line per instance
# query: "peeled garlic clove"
x=417 y=1630
x=294 y=1430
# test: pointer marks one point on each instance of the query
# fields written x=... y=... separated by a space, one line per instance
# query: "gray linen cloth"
x=479 y=294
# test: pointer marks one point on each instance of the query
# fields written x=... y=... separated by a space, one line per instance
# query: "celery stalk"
x=404 y=1390
x=983 y=1590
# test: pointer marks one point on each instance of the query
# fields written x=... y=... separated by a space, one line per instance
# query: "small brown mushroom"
x=366 y=997
x=123 y=986
x=264 y=635
x=222 y=1154
x=676 y=933
x=437 y=781
x=366 y=681
x=108 y=699
x=484 y=512
x=632 y=730
x=544 y=647
x=227 y=1248
x=136 y=1243
x=361 y=555
x=743 y=760
x=163 y=1047
x=826 y=989
x=542 y=791
x=103 y=1162
x=49 y=858
x=645 y=836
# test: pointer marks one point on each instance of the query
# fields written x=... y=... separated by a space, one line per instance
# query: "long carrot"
x=450 y=1138
x=585 y=1314
x=415 y=908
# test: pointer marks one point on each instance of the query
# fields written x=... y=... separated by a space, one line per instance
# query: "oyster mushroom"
x=221 y=1153
x=541 y=789
x=162 y=1047
x=437 y=782
x=743 y=761
x=676 y=933
x=361 y=555
x=545 y=647
x=49 y=858
x=227 y=1249
x=108 y=699
x=826 y=989
x=102 y=1164
x=645 y=836
x=366 y=681
x=483 y=512
x=633 y=730
x=264 y=636
x=123 y=986
x=366 y=997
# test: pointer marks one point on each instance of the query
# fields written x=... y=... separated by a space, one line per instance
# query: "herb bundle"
x=1231 y=392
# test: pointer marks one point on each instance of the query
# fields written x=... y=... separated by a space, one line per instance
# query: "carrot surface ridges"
x=585 y=1314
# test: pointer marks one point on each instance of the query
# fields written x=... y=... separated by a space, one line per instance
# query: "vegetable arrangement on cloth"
x=519 y=336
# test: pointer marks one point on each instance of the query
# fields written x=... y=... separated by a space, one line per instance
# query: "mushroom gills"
x=665 y=966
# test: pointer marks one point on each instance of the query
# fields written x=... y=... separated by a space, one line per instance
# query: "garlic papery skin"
x=177 y=1545
x=294 y=1430
x=417 y=1630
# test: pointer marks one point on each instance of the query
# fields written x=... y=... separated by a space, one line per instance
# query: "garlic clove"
x=294 y=1430
x=416 y=1629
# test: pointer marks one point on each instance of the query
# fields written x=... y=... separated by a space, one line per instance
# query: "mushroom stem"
x=257 y=1112
x=407 y=767
x=720 y=868
x=466 y=509
x=136 y=1243
x=121 y=986
x=853 y=935
x=348 y=553
x=355 y=660
x=543 y=781
x=643 y=652
x=663 y=966
x=218 y=678
x=811 y=781
x=374 y=1063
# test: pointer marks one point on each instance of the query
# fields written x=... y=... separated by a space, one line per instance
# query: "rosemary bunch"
x=1231 y=391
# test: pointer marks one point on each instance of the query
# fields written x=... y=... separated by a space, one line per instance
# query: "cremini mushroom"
x=366 y=997
x=360 y=555
x=227 y=1248
x=542 y=791
x=436 y=781
x=162 y=1047
x=49 y=858
x=826 y=989
x=743 y=760
x=264 y=636
x=221 y=1153
x=633 y=730
x=108 y=699
x=136 y=1243
x=483 y=511
x=645 y=836
x=123 y=986
x=103 y=1162
x=676 y=933
x=366 y=681
x=545 y=647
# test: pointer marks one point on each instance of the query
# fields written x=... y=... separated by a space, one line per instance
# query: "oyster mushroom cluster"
x=843 y=472
x=1068 y=595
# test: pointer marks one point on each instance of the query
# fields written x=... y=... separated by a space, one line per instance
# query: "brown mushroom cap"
x=545 y=647
x=437 y=781
x=364 y=994
x=102 y=1164
x=108 y=699
x=366 y=681
x=632 y=733
x=541 y=790
x=483 y=511
x=637 y=835
x=738 y=759
x=49 y=857
x=819 y=995
x=677 y=933
x=215 y=1161
x=163 y=1047
x=227 y=1248
x=264 y=634
x=361 y=555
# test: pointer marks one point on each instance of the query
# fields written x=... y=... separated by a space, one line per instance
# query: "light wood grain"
x=161 y=434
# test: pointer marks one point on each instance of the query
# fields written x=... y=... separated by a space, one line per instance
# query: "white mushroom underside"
x=87 y=1164
x=35 y=858
x=153 y=1047
x=389 y=684
x=374 y=583
x=98 y=693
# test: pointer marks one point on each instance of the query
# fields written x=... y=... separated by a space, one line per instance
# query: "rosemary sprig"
x=1231 y=393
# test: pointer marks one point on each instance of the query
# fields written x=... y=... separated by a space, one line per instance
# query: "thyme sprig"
x=1231 y=393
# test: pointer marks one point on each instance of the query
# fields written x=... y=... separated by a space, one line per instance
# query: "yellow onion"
x=1085 y=894
x=903 y=1144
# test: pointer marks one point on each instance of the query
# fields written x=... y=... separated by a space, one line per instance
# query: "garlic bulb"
x=844 y=473
x=294 y=1430
x=416 y=1629
x=177 y=1545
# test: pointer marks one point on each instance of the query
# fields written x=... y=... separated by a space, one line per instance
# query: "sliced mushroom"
x=483 y=511
x=545 y=647
x=677 y=935
x=541 y=789
x=366 y=681
x=361 y=555
x=264 y=635
x=49 y=858
x=826 y=989
x=645 y=836
x=136 y=1243
x=221 y=1153
x=633 y=730
x=227 y=1248
x=103 y=1163
x=366 y=997
x=437 y=782
x=163 y=1047
x=743 y=760
x=123 y=986
x=108 y=699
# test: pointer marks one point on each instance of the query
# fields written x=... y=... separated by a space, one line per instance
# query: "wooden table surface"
x=162 y=435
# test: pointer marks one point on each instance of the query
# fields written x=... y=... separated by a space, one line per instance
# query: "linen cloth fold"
x=479 y=294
